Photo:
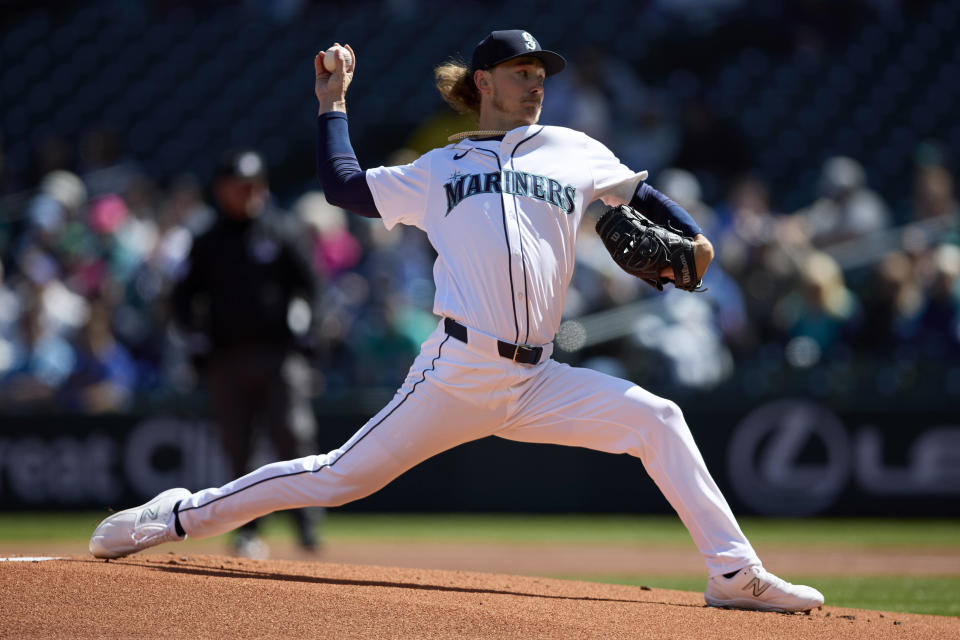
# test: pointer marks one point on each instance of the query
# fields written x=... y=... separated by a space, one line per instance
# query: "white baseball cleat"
x=138 y=528
x=756 y=588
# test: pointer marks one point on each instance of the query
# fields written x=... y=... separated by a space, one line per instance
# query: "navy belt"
x=524 y=354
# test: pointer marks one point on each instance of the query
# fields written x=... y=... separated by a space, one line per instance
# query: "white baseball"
x=330 y=58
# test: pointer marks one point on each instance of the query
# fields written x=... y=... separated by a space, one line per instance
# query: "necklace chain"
x=475 y=134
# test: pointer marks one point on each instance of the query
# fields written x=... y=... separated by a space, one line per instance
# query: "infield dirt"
x=173 y=595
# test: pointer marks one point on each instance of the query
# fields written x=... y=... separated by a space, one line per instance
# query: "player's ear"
x=482 y=80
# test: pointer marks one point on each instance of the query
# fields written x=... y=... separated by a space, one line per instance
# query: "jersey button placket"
x=516 y=262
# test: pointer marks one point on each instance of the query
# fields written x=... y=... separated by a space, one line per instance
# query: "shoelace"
x=766 y=576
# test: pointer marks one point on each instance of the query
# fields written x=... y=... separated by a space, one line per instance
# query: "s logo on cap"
x=500 y=46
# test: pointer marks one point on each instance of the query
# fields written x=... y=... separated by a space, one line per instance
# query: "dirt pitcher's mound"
x=177 y=596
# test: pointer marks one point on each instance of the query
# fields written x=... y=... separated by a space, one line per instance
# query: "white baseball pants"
x=458 y=392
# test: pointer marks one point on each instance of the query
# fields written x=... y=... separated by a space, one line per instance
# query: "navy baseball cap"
x=501 y=46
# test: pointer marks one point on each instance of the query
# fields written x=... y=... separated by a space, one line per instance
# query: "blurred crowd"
x=91 y=245
x=836 y=282
x=90 y=256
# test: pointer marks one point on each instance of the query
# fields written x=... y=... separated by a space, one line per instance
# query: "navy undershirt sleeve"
x=344 y=183
x=663 y=210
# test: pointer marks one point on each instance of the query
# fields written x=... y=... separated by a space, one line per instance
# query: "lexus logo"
x=789 y=457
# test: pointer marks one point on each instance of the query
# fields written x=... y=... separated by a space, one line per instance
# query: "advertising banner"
x=787 y=457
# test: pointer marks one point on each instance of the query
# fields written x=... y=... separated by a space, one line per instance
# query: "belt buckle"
x=516 y=350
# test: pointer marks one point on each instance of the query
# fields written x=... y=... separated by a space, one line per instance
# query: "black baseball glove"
x=643 y=248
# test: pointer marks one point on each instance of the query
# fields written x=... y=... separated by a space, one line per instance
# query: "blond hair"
x=455 y=84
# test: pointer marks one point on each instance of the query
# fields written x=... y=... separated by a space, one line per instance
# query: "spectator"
x=9 y=307
x=383 y=341
x=333 y=247
x=183 y=215
x=138 y=236
x=758 y=250
x=934 y=195
x=40 y=361
x=847 y=208
x=63 y=310
x=935 y=204
x=891 y=305
x=822 y=308
x=104 y=375
x=938 y=325
x=684 y=331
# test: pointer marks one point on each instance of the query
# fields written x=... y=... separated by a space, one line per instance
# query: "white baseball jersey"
x=503 y=217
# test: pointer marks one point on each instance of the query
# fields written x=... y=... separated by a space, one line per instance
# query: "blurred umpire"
x=244 y=302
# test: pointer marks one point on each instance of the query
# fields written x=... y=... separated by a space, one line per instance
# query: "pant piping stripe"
x=433 y=365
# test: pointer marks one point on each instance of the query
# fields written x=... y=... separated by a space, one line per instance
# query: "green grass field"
x=839 y=532
x=918 y=594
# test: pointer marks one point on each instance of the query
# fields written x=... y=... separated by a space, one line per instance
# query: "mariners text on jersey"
x=461 y=186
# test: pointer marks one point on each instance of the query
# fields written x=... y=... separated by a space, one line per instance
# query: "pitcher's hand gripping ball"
x=644 y=249
x=330 y=58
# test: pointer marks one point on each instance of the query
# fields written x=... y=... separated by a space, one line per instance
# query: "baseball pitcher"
x=502 y=206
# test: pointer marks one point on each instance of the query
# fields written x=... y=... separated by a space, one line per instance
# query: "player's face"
x=517 y=91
